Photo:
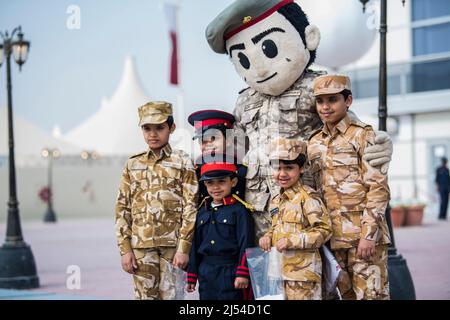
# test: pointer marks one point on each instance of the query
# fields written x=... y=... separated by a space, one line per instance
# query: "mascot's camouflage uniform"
x=271 y=44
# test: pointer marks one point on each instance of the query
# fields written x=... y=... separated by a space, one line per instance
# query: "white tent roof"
x=113 y=129
x=29 y=140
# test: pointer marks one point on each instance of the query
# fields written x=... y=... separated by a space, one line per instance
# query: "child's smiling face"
x=220 y=188
x=332 y=108
x=286 y=175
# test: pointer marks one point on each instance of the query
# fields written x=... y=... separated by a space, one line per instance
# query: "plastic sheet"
x=265 y=273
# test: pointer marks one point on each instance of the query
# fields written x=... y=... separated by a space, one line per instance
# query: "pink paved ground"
x=90 y=244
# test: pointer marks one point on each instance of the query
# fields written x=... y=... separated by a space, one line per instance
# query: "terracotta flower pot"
x=398 y=216
x=414 y=215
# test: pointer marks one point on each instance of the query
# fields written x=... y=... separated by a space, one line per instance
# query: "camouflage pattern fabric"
x=302 y=290
x=355 y=193
x=156 y=204
x=301 y=217
x=153 y=279
x=286 y=149
x=361 y=279
x=154 y=112
x=263 y=118
x=331 y=84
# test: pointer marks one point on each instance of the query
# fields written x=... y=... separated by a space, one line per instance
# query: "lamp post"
x=17 y=266
x=401 y=285
x=50 y=154
x=89 y=155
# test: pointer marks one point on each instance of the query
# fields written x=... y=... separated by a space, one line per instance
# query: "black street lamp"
x=50 y=154
x=401 y=285
x=17 y=266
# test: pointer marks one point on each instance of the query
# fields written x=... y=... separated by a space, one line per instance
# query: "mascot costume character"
x=272 y=44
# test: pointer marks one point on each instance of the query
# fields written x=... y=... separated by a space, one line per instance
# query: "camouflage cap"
x=286 y=149
x=154 y=112
x=238 y=16
x=331 y=84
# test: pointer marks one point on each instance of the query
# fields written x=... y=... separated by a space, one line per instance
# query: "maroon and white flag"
x=171 y=11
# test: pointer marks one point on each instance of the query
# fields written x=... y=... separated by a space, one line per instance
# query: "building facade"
x=419 y=96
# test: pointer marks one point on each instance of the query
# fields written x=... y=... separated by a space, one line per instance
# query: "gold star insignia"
x=247 y=19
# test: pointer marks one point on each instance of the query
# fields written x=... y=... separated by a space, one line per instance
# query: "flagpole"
x=180 y=94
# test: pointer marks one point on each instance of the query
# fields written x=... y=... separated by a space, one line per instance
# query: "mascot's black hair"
x=295 y=15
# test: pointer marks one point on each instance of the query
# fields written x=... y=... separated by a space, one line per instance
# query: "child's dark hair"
x=300 y=160
x=346 y=93
x=170 y=121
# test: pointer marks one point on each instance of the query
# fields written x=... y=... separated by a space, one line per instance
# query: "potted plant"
x=398 y=213
x=414 y=215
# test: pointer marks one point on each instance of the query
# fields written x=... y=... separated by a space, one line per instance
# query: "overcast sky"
x=69 y=70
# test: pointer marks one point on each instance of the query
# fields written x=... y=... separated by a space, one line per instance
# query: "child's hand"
x=180 y=260
x=366 y=249
x=129 y=263
x=265 y=243
x=240 y=283
x=190 y=287
x=282 y=244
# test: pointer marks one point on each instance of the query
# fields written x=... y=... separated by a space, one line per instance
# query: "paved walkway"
x=90 y=245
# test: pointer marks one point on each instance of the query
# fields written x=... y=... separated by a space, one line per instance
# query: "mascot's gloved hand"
x=380 y=154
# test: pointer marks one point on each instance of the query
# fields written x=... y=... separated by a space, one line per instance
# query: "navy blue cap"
x=206 y=119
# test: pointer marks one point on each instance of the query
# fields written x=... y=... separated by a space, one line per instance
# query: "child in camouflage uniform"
x=156 y=207
x=355 y=193
x=300 y=222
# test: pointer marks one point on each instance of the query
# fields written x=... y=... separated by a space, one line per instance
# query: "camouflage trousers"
x=361 y=279
x=263 y=222
x=154 y=278
x=303 y=290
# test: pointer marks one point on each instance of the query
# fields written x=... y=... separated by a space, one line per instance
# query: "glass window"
x=427 y=9
x=431 y=76
x=432 y=39
x=368 y=88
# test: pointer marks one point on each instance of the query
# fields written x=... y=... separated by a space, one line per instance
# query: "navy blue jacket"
x=224 y=231
x=443 y=178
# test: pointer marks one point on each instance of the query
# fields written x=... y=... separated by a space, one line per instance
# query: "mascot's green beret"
x=239 y=16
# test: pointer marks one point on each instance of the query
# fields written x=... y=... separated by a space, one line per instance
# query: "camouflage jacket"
x=157 y=200
x=355 y=193
x=300 y=216
x=261 y=118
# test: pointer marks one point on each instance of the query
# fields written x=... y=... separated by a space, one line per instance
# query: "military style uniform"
x=203 y=121
x=155 y=211
x=299 y=215
x=264 y=118
x=222 y=234
x=356 y=194
x=218 y=256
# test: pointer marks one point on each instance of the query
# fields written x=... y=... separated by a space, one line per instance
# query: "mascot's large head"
x=270 y=42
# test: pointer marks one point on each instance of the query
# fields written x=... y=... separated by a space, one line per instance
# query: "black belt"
x=220 y=259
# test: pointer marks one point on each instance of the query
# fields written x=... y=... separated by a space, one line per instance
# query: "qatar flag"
x=171 y=14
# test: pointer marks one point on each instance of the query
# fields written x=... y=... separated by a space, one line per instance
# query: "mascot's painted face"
x=271 y=55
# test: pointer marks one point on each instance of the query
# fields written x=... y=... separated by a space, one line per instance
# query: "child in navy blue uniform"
x=223 y=231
